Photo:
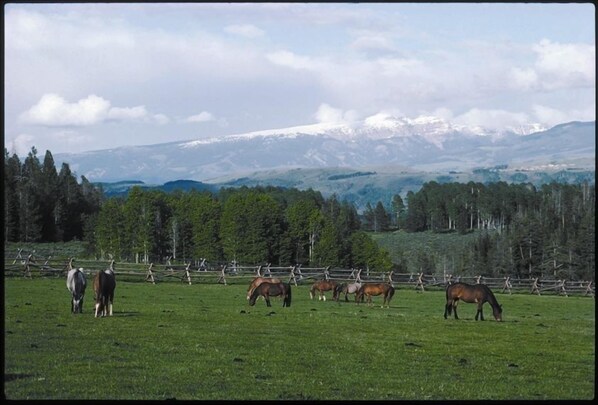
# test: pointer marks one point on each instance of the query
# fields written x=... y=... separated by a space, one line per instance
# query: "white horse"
x=350 y=289
x=76 y=283
x=104 y=284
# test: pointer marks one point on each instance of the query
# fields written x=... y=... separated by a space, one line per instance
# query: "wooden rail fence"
x=25 y=264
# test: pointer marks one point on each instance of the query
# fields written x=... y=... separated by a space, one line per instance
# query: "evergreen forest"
x=520 y=230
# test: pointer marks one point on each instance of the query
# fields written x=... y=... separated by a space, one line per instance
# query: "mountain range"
x=363 y=151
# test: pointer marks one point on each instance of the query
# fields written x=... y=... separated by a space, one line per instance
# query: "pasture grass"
x=204 y=342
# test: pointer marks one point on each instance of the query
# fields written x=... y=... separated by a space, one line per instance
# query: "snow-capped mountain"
x=423 y=143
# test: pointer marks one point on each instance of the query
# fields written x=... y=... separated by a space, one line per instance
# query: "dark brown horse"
x=321 y=286
x=104 y=284
x=369 y=289
x=476 y=293
x=259 y=280
x=268 y=290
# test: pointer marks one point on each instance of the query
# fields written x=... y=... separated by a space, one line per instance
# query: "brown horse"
x=476 y=293
x=321 y=286
x=104 y=284
x=268 y=290
x=369 y=289
x=259 y=280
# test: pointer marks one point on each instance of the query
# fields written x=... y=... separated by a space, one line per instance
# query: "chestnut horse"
x=369 y=289
x=76 y=283
x=476 y=293
x=321 y=286
x=259 y=280
x=104 y=284
x=268 y=290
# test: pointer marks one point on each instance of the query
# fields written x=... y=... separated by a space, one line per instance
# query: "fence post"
x=535 y=288
x=326 y=273
x=187 y=273
x=358 y=278
x=150 y=274
x=18 y=256
x=589 y=290
x=561 y=288
x=27 y=264
x=222 y=277
x=420 y=282
x=477 y=279
x=507 y=285
x=292 y=275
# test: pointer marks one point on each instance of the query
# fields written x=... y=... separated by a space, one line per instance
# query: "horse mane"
x=491 y=298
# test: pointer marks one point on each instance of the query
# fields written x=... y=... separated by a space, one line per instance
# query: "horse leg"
x=480 y=312
x=346 y=299
x=267 y=298
x=447 y=309
x=455 y=309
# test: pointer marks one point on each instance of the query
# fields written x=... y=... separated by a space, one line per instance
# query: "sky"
x=90 y=76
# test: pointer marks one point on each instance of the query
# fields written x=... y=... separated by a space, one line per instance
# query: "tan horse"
x=369 y=289
x=259 y=280
x=476 y=293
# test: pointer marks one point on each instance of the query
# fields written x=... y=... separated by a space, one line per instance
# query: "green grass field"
x=203 y=342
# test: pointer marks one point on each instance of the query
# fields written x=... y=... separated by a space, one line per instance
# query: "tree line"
x=245 y=225
x=42 y=204
x=522 y=230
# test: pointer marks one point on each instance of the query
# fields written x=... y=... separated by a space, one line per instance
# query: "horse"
x=259 y=280
x=369 y=289
x=476 y=293
x=347 y=289
x=268 y=290
x=76 y=283
x=104 y=284
x=321 y=286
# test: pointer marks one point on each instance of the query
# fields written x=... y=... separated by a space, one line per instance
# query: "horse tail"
x=254 y=294
x=390 y=292
x=287 y=299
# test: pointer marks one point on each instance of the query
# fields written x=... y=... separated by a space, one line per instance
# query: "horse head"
x=497 y=312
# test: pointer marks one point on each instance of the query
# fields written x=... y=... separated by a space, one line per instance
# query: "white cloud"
x=21 y=144
x=245 y=30
x=523 y=78
x=328 y=114
x=566 y=64
x=491 y=118
x=53 y=110
x=203 y=116
x=292 y=60
x=550 y=116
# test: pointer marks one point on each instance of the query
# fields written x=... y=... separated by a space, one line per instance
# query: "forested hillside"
x=519 y=229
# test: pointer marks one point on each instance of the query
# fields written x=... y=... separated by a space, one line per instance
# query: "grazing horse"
x=259 y=280
x=76 y=283
x=347 y=289
x=369 y=289
x=104 y=284
x=476 y=293
x=268 y=290
x=321 y=286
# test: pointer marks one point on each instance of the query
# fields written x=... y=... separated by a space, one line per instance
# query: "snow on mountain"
x=423 y=143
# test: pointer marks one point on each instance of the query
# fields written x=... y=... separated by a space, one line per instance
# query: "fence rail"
x=26 y=265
